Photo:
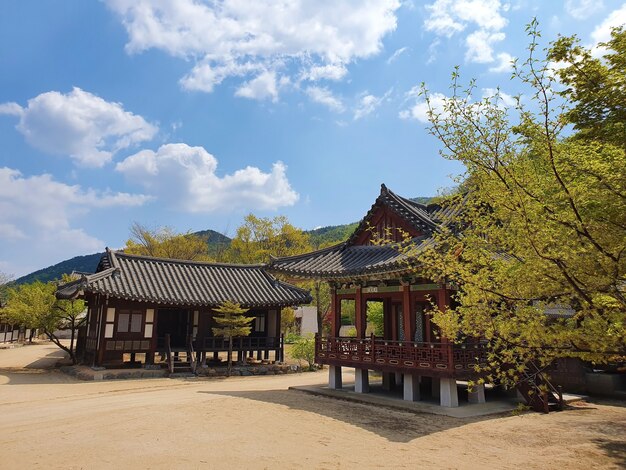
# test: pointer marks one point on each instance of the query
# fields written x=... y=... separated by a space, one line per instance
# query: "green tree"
x=595 y=87
x=542 y=225
x=5 y=280
x=304 y=349
x=259 y=238
x=35 y=306
x=232 y=324
x=164 y=242
x=376 y=318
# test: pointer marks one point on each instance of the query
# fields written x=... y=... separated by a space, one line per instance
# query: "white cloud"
x=582 y=9
x=11 y=109
x=602 y=32
x=502 y=97
x=79 y=124
x=369 y=103
x=185 y=177
x=419 y=108
x=504 y=63
x=38 y=214
x=262 y=87
x=233 y=38
x=325 y=72
x=449 y=17
x=479 y=46
x=397 y=53
x=325 y=97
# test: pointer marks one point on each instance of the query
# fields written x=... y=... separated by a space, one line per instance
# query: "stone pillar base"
x=334 y=377
x=448 y=393
x=361 y=381
x=411 y=387
x=477 y=395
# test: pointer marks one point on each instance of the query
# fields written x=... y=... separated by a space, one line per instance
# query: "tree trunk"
x=230 y=355
x=56 y=341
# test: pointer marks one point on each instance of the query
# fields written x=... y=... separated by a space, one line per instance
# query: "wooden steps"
x=540 y=394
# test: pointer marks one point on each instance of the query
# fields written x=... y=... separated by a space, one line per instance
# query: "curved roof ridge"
x=121 y=253
x=320 y=251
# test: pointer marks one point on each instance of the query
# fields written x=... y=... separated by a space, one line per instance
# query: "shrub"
x=304 y=349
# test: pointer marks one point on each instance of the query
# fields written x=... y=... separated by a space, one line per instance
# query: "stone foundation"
x=260 y=369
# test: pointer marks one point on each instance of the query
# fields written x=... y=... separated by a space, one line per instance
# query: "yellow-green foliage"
x=259 y=238
x=544 y=215
x=304 y=349
x=233 y=323
x=164 y=242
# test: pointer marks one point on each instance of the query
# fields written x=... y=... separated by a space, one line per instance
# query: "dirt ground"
x=49 y=420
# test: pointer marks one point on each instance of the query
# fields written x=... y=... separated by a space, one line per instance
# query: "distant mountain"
x=85 y=264
x=331 y=234
x=422 y=200
x=217 y=243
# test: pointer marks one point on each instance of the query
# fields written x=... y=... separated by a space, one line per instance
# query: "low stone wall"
x=260 y=369
x=87 y=373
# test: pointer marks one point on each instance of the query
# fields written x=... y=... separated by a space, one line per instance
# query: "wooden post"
x=394 y=322
x=409 y=326
x=335 y=314
x=447 y=343
x=360 y=314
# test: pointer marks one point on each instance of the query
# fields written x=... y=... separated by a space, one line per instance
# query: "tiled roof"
x=422 y=217
x=348 y=260
x=177 y=282
x=345 y=261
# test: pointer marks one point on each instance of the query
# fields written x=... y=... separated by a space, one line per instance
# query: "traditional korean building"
x=410 y=350
x=139 y=307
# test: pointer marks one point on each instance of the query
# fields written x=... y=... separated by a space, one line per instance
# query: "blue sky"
x=193 y=113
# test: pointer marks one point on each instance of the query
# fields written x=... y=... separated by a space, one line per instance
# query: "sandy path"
x=52 y=421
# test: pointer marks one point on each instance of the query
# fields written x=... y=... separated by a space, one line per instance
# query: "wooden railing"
x=378 y=353
x=248 y=343
x=168 y=351
x=191 y=355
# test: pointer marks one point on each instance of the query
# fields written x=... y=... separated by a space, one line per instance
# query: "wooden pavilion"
x=139 y=307
x=410 y=351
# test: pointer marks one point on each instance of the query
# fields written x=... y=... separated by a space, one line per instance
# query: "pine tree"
x=233 y=323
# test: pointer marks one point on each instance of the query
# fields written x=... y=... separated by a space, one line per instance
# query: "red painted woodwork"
x=432 y=359
x=381 y=221
x=360 y=313
x=407 y=313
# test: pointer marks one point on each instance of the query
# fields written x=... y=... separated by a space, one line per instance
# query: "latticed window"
x=400 y=323
x=129 y=322
x=419 y=323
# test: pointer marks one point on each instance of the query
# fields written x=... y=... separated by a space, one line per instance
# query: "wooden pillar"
x=409 y=326
x=394 y=322
x=445 y=342
x=387 y=314
x=360 y=313
x=103 y=313
x=335 y=313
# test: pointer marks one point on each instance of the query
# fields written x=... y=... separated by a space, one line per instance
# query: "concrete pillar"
x=361 y=381
x=448 y=393
x=411 y=387
x=388 y=380
x=435 y=387
x=334 y=377
x=477 y=395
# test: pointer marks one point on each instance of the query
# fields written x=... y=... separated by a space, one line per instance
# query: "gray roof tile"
x=177 y=282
